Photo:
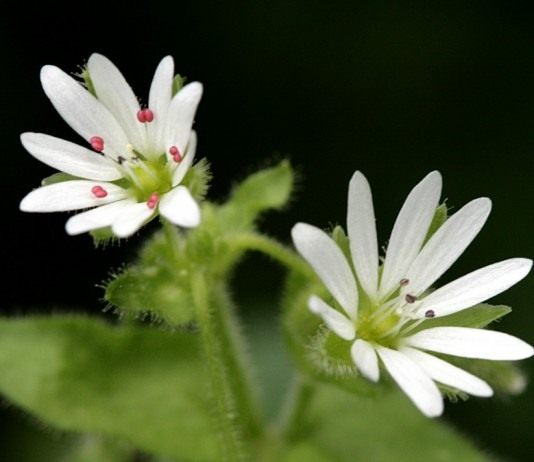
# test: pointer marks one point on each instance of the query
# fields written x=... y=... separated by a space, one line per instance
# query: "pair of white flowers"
x=140 y=155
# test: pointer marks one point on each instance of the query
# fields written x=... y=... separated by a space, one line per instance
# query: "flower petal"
x=476 y=287
x=180 y=208
x=327 y=260
x=447 y=374
x=471 y=343
x=362 y=233
x=113 y=91
x=159 y=100
x=181 y=115
x=70 y=195
x=131 y=219
x=447 y=244
x=336 y=321
x=410 y=230
x=187 y=161
x=82 y=111
x=413 y=381
x=364 y=357
x=69 y=157
x=99 y=217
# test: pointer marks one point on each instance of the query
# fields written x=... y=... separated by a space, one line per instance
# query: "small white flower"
x=139 y=156
x=395 y=298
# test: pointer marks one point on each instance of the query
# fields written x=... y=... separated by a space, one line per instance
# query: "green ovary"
x=378 y=329
x=154 y=177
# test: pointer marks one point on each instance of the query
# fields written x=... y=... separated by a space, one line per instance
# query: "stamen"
x=404 y=282
x=99 y=191
x=175 y=153
x=153 y=200
x=430 y=313
x=410 y=298
x=97 y=143
x=145 y=115
x=120 y=160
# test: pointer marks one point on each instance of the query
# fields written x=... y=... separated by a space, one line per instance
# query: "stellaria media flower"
x=138 y=157
x=379 y=306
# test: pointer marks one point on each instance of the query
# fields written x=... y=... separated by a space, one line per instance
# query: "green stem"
x=231 y=438
x=268 y=246
x=296 y=408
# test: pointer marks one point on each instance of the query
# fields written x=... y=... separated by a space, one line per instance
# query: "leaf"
x=342 y=427
x=477 y=317
x=267 y=189
x=140 y=384
x=90 y=448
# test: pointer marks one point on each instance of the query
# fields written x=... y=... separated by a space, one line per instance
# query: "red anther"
x=149 y=115
x=175 y=153
x=145 y=115
x=153 y=200
x=99 y=191
x=97 y=143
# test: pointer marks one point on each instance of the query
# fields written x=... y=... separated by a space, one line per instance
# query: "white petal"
x=131 y=219
x=181 y=115
x=476 y=287
x=179 y=207
x=447 y=244
x=336 y=321
x=413 y=381
x=327 y=260
x=97 y=218
x=69 y=157
x=82 y=111
x=447 y=374
x=187 y=160
x=113 y=91
x=69 y=195
x=364 y=357
x=362 y=233
x=159 y=100
x=410 y=230
x=471 y=343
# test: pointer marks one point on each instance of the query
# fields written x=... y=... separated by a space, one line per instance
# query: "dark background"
x=393 y=90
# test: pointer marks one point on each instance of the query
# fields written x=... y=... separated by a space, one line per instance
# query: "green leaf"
x=267 y=189
x=151 y=290
x=140 y=384
x=342 y=427
x=477 y=317
x=90 y=448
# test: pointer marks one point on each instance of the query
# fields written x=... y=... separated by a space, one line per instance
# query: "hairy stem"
x=295 y=408
x=272 y=248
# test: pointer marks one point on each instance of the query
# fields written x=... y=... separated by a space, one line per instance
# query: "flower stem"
x=295 y=408
x=272 y=248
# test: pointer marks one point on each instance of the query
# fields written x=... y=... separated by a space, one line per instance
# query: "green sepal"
x=339 y=426
x=88 y=82
x=132 y=383
x=197 y=179
x=177 y=83
x=440 y=217
x=342 y=240
x=91 y=448
x=478 y=316
x=103 y=237
x=58 y=177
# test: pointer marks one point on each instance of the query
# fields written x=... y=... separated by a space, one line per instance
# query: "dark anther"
x=404 y=282
x=410 y=298
x=429 y=314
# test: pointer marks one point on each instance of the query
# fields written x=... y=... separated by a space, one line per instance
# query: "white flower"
x=139 y=156
x=396 y=297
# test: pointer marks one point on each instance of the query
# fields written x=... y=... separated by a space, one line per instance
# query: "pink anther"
x=145 y=115
x=99 y=191
x=175 y=153
x=153 y=200
x=97 y=143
